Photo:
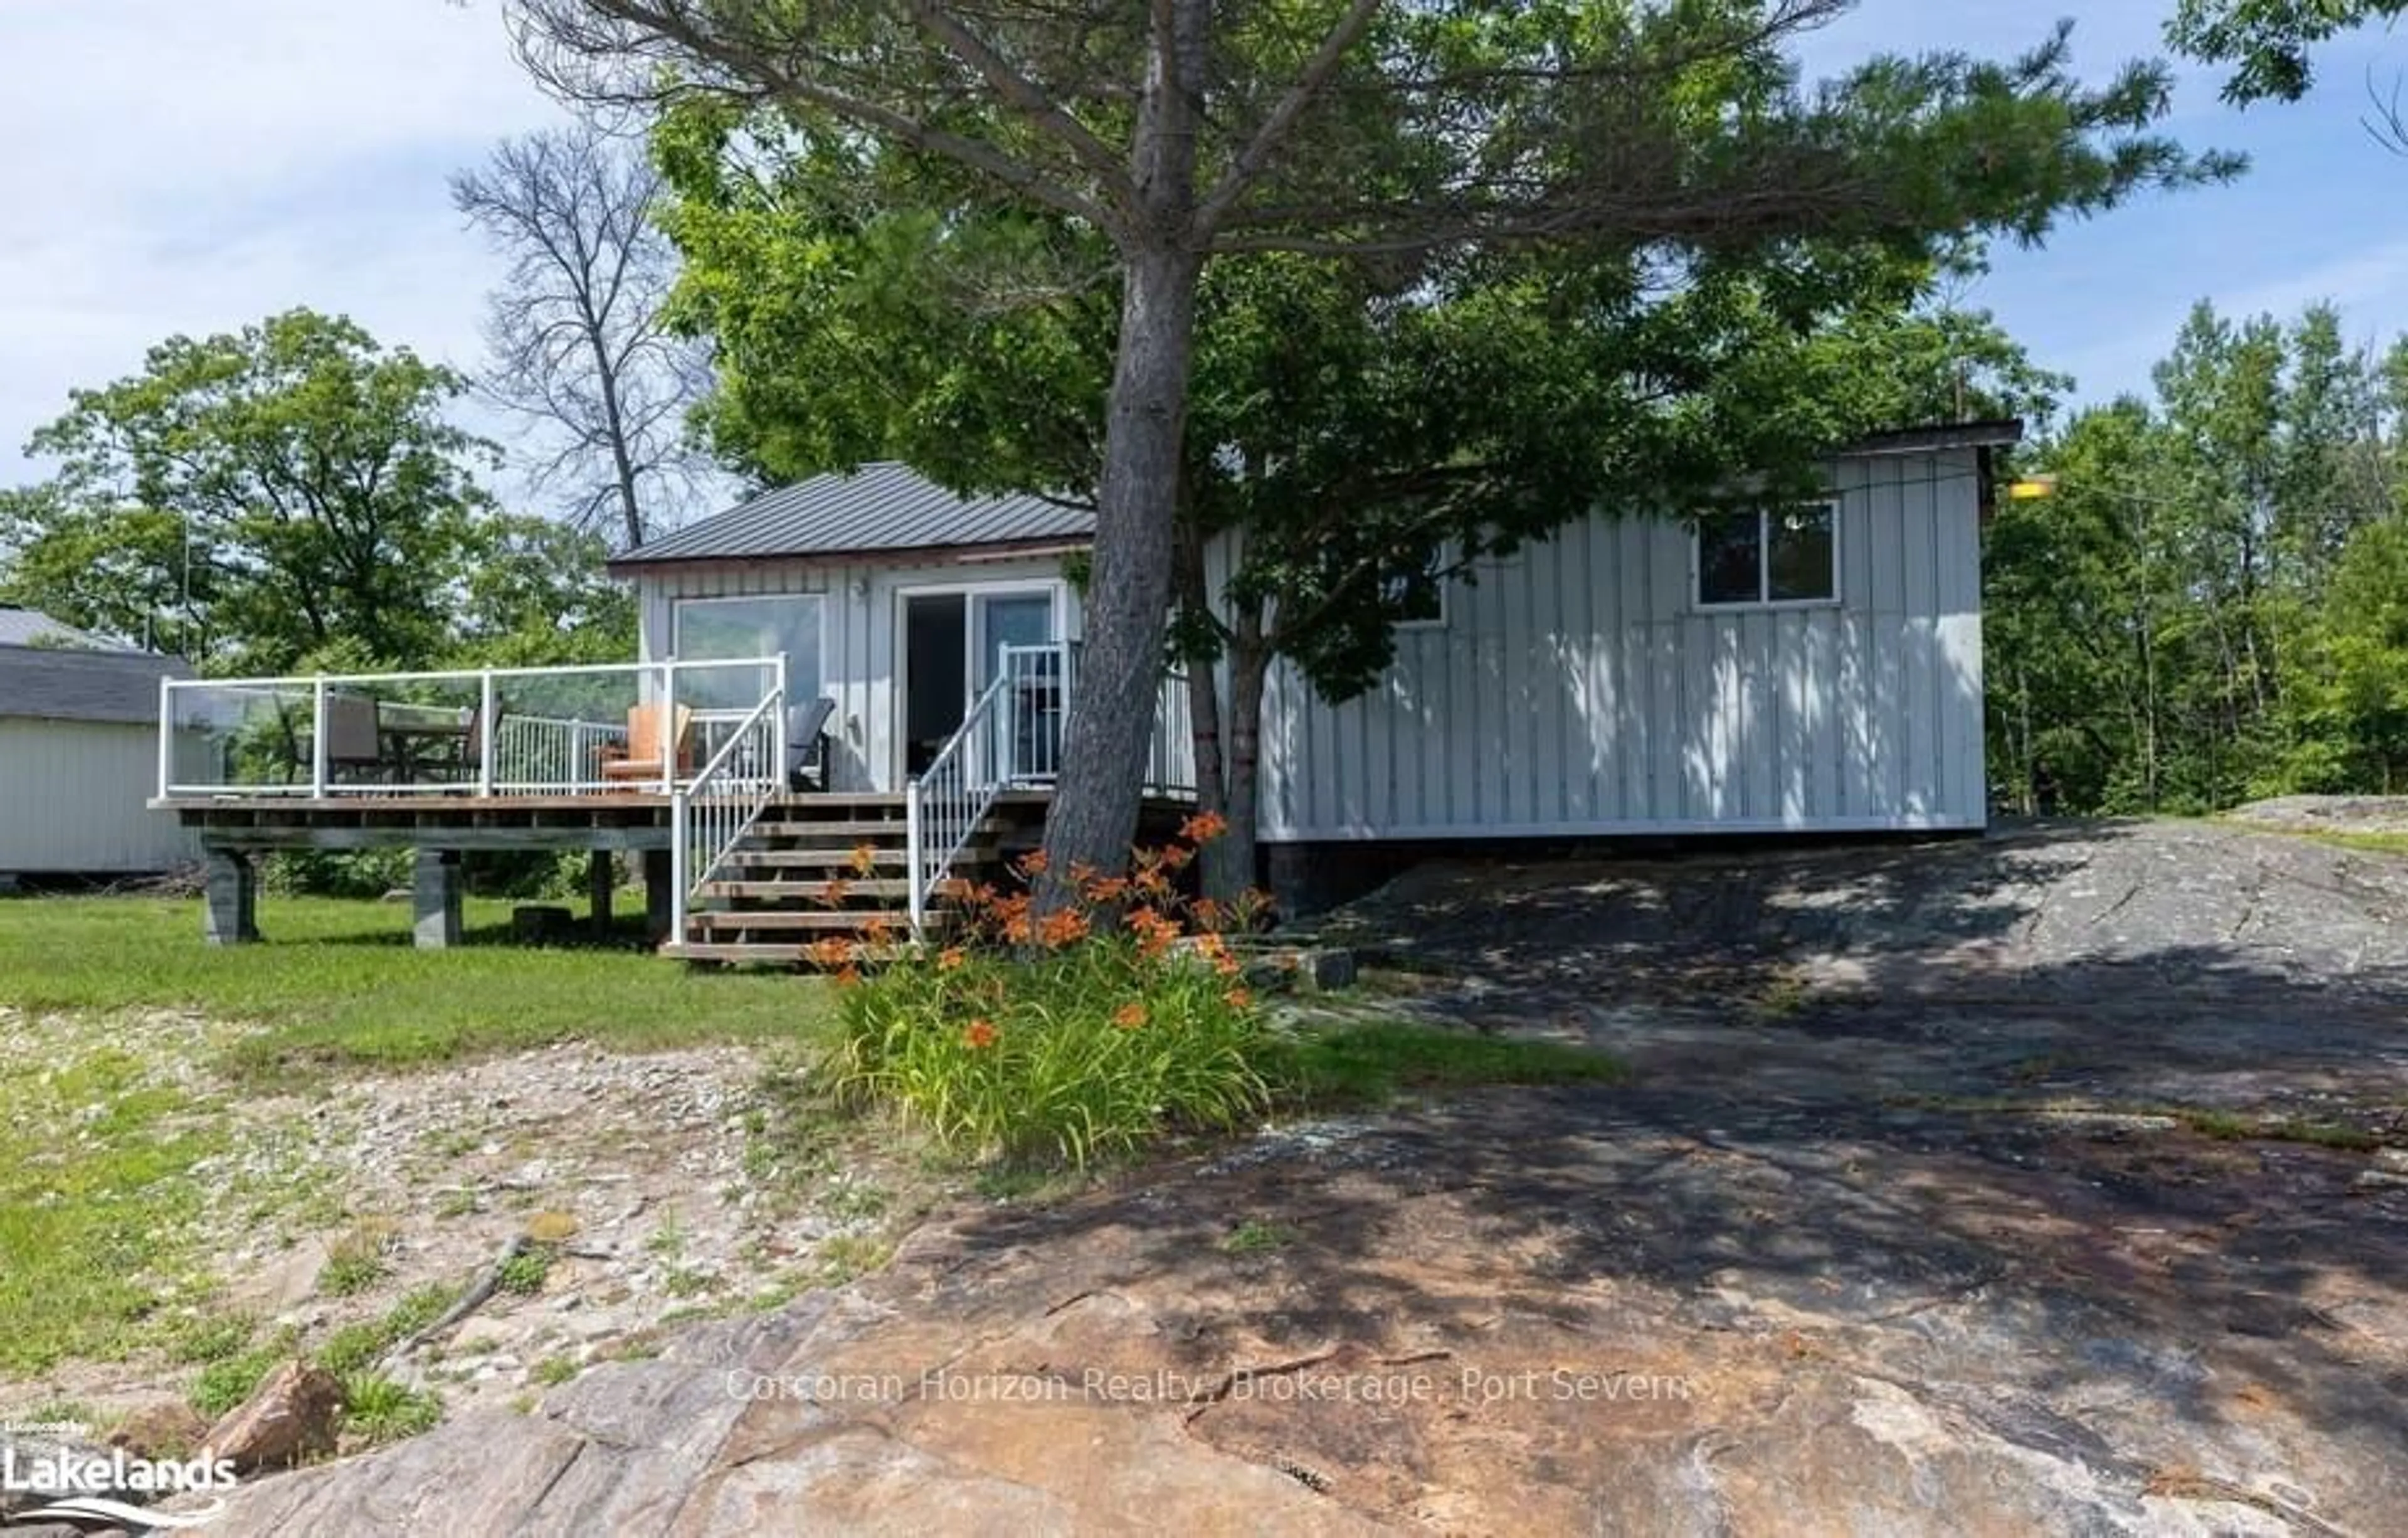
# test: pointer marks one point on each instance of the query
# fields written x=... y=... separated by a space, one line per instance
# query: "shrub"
x=376 y=1410
x=1068 y=1036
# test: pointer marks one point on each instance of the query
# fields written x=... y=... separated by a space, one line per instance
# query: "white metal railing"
x=944 y=804
x=541 y=731
x=1170 y=760
x=710 y=815
x=1011 y=736
x=1037 y=685
x=533 y=752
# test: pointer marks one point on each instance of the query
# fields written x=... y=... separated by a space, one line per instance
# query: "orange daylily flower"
x=835 y=891
x=847 y=976
x=1238 y=998
x=1032 y=862
x=950 y=958
x=831 y=953
x=865 y=858
x=1175 y=856
x=979 y=1034
x=1063 y=927
x=1204 y=827
x=1154 y=932
x=1130 y=1016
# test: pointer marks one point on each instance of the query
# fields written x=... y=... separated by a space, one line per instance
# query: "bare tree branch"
x=575 y=331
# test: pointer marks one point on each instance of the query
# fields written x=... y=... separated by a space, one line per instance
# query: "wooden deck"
x=614 y=819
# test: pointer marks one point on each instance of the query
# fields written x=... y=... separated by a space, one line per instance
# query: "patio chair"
x=353 y=743
x=641 y=758
x=806 y=744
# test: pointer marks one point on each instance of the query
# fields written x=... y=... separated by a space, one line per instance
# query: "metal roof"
x=1995 y=432
x=880 y=506
x=32 y=628
x=62 y=683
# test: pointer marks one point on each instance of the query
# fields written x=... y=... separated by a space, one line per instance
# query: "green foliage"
x=524 y=1273
x=1256 y=1237
x=357 y=1261
x=1366 y=1066
x=275 y=491
x=357 y=1347
x=376 y=1410
x=2211 y=607
x=1080 y=1054
x=230 y=1380
x=2268 y=42
x=96 y=1202
x=212 y=1337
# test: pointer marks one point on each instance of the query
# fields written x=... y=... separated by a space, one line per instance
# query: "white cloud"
x=182 y=167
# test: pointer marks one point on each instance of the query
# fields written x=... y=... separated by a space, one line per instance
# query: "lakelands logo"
x=87 y=1487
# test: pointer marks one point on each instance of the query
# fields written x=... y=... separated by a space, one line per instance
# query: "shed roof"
x=63 y=683
x=32 y=628
x=881 y=507
x=1991 y=433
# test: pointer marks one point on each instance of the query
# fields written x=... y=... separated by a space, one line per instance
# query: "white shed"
x=80 y=755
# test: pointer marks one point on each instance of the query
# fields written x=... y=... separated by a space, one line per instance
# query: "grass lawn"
x=112 y=1104
x=337 y=983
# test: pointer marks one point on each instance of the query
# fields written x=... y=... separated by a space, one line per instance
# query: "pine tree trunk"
x=1096 y=799
x=1096 y=802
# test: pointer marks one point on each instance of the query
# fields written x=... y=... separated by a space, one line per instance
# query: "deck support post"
x=659 y=881
x=436 y=888
x=230 y=892
x=601 y=881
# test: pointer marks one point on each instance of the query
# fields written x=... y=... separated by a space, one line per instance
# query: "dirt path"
x=1983 y=1189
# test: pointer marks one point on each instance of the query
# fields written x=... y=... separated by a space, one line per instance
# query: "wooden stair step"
x=848 y=919
x=838 y=859
x=813 y=890
x=869 y=832
x=762 y=954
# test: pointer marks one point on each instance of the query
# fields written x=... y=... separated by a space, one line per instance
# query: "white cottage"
x=1804 y=667
x=78 y=753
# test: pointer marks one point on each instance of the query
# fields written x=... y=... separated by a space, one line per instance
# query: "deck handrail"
x=299 y=703
x=944 y=804
x=711 y=814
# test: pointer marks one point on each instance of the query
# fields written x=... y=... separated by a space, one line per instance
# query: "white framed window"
x=1773 y=557
x=758 y=625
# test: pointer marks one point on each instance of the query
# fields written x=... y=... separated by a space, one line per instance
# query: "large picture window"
x=1761 y=556
x=760 y=627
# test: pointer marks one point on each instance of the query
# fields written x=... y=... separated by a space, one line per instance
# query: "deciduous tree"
x=2269 y=43
x=575 y=336
x=307 y=478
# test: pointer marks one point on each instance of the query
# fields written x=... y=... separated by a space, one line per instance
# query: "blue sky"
x=178 y=166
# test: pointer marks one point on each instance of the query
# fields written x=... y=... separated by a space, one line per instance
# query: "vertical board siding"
x=1576 y=688
x=860 y=611
x=74 y=800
